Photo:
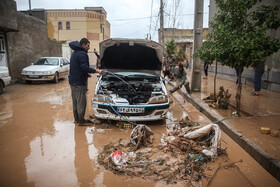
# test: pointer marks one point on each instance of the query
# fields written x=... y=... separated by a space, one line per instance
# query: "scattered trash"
x=215 y=141
x=123 y=125
x=176 y=158
x=163 y=140
x=124 y=143
x=234 y=114
x=222 y=99
x=265 y=130
x=196 y=157
x=132 y=155
x=101 y=131
x=119 y=158
x=141 y=135
x=173 y=129
x=94 y=120
x=275 y=133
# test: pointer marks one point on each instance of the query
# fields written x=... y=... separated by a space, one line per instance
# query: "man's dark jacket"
x=79 y=65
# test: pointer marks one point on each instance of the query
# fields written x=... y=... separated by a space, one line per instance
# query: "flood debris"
x=178 y=158
x=205 y=131
x=123 y=125
x=272 y=132
x=221 y=100
x=141 y=135
x=275 y=133
x=265 y=130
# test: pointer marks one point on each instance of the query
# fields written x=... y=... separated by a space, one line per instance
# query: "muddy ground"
x=41 y=146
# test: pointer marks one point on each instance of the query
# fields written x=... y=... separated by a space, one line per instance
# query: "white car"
x=5 y=78
x=132 y=88
x=46 y=69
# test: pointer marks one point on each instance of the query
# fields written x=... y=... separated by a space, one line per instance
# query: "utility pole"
x=197 y=43
x=161 y=37
x=30 y=11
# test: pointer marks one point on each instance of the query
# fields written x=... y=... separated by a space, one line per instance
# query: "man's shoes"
x=85 y=122
x=255 y=94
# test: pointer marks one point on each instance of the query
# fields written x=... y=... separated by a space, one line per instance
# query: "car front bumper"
x=152 y=112
x=6 y=80
x=38 y=77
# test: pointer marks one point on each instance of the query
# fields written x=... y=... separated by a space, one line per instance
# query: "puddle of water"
x=6 y=111
x=51 y=159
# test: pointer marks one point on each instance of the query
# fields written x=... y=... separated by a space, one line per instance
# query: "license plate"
x=130 y=110
x=33 y=76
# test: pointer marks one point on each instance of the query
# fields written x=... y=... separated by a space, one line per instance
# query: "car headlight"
x=46 y=72
x=24 y=72
x=158 y=99
x=102 y=99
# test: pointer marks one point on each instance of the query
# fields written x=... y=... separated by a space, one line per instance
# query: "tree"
x=170 y=47
x=180 y=55
x=239 y=36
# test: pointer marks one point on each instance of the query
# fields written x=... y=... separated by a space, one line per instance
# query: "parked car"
x=5 y=78
x=132 y=86
x=46 y=69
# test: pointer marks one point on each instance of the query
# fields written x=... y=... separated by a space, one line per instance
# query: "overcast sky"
x=130 y=18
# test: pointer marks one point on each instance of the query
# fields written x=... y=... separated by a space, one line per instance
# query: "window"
x=101 y=28
x=67 y=25
x=65 y=61
x=2 y=44
x=60 y=25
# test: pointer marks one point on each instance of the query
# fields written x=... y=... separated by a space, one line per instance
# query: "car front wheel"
x=55 y=79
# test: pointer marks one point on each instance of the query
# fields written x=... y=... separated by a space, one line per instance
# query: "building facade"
x=183 y=39
x=72 y=25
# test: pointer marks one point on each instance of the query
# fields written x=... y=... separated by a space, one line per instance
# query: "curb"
x=270 y=164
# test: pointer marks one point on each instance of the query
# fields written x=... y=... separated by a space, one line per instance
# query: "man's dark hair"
x=181 y=66
x=84 y=41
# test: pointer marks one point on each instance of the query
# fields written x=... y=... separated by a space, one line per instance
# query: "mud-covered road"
x=41 y=146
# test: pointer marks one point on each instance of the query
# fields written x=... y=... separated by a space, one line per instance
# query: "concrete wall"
x=270 y=78
x=30 y=43
x=66 y=51
x=8 y=15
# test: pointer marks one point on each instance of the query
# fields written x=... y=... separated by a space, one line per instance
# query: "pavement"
x=245 y=130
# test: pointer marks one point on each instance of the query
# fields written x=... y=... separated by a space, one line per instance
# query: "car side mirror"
x=32 y=64
x=61 y=65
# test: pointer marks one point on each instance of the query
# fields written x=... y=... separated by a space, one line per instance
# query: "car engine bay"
x=135 y=90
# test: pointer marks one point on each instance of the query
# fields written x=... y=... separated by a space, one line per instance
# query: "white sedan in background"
x=4 y=78
x=47 y=69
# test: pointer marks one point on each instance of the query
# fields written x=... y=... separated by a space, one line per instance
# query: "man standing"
x=180 y=79
x=79 y=73
x=259 y=70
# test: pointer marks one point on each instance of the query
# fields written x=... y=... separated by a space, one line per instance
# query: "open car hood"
x=133 y=55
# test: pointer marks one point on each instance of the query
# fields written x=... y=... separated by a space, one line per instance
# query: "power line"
x=191 y=14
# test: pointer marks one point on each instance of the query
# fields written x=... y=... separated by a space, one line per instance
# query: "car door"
x=66 y=66
x=60 y=68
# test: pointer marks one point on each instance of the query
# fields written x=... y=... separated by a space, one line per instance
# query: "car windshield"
x=47 y=61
